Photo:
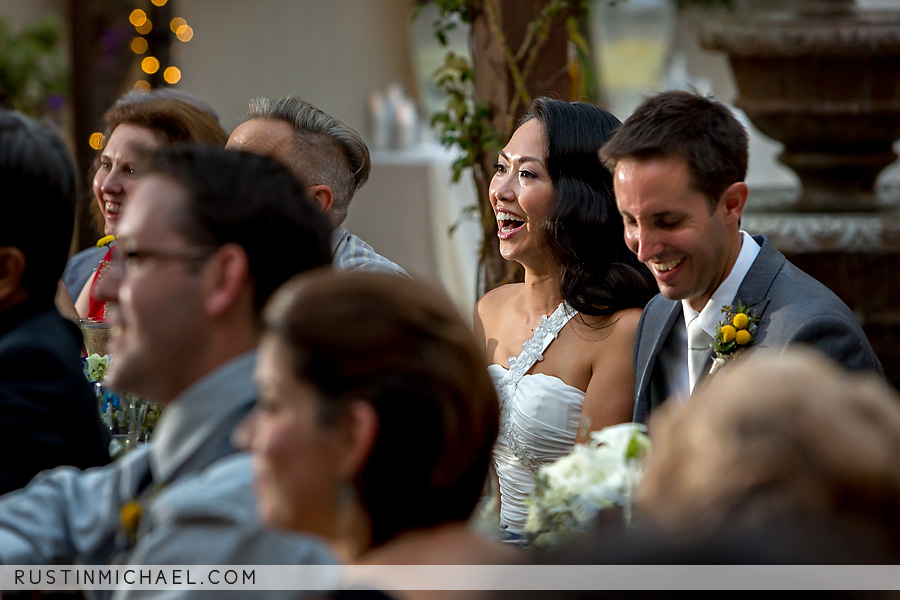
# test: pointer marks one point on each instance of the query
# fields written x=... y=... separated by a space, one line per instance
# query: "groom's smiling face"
x=688 y=243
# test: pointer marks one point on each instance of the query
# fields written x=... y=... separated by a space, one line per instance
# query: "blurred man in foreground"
x=208 y=236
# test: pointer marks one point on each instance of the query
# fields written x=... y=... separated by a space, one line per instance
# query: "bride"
x=583 y=291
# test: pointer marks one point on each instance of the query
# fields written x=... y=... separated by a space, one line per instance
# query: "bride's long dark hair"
x=599 y=275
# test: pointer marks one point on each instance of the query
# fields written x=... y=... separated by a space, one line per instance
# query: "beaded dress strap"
x=532 y=351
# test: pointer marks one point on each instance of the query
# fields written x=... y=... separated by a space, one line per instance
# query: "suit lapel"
x=660 y=316
x=755 y=288
x=666 y=321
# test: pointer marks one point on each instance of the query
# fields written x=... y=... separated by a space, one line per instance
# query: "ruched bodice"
x=539 y=423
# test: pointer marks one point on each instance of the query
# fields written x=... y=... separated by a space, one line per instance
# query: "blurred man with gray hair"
x=327 y=155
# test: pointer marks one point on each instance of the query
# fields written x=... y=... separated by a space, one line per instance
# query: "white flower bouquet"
x=597 y=475
x=95 y=366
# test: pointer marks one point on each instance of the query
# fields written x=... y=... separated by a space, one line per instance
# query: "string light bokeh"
x=149 y=64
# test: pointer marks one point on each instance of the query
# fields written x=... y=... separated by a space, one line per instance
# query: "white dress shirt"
x=711 y=313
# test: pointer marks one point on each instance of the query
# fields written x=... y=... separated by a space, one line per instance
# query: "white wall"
x=23 y=12
x=330 y=52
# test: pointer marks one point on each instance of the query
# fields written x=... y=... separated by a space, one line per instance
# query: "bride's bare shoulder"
x=626 y=321
x=618 y=328
x=498 y=298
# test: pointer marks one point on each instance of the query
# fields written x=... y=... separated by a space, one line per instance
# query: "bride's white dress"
x=539 y=421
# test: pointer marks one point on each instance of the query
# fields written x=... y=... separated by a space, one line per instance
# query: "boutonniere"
x=733 y=333
x=106 y=240
x=130 y=518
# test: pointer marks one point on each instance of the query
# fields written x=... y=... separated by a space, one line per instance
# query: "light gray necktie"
x=698 y=351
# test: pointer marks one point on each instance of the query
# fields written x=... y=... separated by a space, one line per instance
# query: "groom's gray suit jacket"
x=793 y=308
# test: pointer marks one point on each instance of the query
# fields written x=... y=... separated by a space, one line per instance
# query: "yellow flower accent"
x=105 y=240
x=130 y=517
x=734 y=333
x=728 y=333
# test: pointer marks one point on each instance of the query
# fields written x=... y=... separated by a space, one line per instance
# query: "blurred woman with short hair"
x=375 y=421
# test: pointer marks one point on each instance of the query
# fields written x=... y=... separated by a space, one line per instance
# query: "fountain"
x=824 y=80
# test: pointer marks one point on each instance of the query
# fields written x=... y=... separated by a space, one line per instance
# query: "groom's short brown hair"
x=703 y=132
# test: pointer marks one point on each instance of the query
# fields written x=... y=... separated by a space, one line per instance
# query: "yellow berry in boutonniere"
x=734 y=333
x=728 y=333
x=740 y=321
x=105 y=240
x=130 y=517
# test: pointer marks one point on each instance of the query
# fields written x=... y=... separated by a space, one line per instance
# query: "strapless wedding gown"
x=540 y=415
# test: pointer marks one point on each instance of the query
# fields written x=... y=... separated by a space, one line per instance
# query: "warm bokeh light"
x=137 y=17
x=172 y=75
x=176 y=23
x=139 y=45
x=185 y=33
x=142 y=84
x=150 y=65
x=145 y=28
x=96 y=140
x=159 y=2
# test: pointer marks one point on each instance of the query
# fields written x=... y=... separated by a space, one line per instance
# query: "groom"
x=679 y=164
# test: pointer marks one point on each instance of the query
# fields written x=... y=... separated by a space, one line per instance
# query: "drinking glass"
x=95 y=332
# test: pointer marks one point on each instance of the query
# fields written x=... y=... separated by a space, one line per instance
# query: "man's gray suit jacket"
x=793 y=308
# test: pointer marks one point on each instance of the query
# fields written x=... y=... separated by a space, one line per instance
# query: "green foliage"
x=467 y=124
x=33 y=74
x=586 y=79
x=448 y=13
x=463 y=123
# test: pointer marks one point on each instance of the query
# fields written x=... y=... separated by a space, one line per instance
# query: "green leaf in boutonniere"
x=736 y=331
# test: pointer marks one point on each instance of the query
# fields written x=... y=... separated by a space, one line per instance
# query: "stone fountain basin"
x=827 y=87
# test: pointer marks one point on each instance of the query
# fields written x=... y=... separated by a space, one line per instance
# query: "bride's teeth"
x=112 y=208
x=505 y=216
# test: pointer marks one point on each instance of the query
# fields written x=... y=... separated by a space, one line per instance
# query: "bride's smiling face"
x=521 y=194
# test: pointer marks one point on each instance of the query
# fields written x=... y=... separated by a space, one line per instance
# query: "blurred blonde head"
x=780 y=438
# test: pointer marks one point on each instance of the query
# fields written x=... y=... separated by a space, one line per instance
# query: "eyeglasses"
x=125 y=260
